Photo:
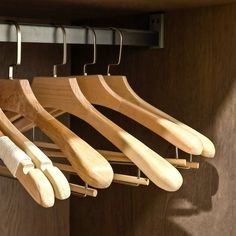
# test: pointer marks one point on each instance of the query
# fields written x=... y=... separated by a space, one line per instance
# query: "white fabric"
x=11 y=155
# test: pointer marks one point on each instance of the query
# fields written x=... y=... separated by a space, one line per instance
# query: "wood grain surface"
x=193 y=79
x=20 y=215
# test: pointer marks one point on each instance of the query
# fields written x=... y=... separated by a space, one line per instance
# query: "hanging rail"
x=78 y=35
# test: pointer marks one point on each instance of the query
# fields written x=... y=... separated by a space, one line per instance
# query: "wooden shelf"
x=78 y=9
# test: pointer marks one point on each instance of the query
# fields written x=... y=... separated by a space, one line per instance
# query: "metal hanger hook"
x=176 y=153
x=120 y=50
x=18 y=51
x=94 y=50
x=64 y=58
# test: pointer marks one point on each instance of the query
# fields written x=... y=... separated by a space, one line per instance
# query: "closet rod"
x=77 y=35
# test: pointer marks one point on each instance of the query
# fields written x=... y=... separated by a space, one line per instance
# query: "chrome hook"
x=120 y=50
x=64 y=58
x=18 y=53
x=94 y=50
x=176 y=153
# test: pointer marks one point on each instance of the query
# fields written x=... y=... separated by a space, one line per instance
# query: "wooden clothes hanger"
x=95 y=85
x=22 y=168
x=57 y=179
x=17 y=96
x=119 y=84
x=65 y=94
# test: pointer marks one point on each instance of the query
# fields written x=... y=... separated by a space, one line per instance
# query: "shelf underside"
x=81 y=9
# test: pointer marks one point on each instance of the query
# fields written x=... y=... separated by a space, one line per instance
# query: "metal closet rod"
x=77 y=35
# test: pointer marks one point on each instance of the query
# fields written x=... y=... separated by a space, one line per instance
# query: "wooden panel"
x=20 y=215
x=77 y=9
x=194 y=79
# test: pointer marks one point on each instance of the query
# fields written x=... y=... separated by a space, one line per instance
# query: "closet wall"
x=194 y=79
x=20 y=215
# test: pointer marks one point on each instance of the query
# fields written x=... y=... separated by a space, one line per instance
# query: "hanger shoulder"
x=103 y=95
x=60 y=93
x=174 y=134
x=120 y=85
x=89 y=164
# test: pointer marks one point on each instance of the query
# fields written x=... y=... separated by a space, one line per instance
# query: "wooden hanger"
x=57 y=179
x=119 y=84
x=22 y=168
x=17 y=96
x=75 y=188
x=65 y=94
x=25 y=125
x=96 y=90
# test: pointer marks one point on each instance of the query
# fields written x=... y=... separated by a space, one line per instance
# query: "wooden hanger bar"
x=111 y=156
x=118 y=178
x=117 y=158
x=81 y=190
x=24 y=124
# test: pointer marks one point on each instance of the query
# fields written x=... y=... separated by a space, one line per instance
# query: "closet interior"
x=117 y=117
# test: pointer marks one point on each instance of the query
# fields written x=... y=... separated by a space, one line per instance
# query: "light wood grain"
x=41 y=161
x=17 y=96
x=93 y=85
x=65 y=94
x=120 y=85
x=81 y=190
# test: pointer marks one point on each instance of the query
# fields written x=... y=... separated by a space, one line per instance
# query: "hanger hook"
x=18 y=51
x=176 y=153
x=120 y=50
x=64 y=58
x=94 y=50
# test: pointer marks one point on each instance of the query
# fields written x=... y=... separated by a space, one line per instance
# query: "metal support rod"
x=77 y=35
